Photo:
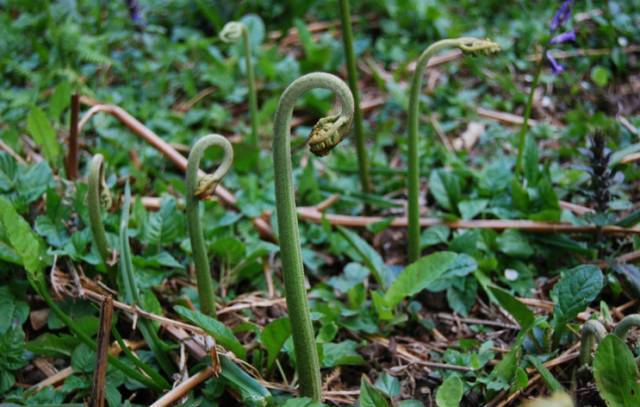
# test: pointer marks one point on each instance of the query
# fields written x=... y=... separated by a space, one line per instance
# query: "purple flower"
x=555 y=66
x=562 y=15
x=564 y=37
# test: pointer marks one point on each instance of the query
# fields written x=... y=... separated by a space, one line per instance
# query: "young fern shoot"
x=232 y=32
x=98 y=197
x=199 y=188
x=361 y=149
x=467 y=45
x=325 y=135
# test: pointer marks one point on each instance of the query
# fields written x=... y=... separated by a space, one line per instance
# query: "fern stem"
x=327 y=133
x=98 y=196
x=467 y=45
x=361 y=149
x=197 y=189
x=592 y=331
x=627 y=323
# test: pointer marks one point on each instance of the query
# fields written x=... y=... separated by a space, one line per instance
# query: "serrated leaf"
x=221 y=333
x=616 y=373
x=450 y=392
x=43 y=133
x=576 y=289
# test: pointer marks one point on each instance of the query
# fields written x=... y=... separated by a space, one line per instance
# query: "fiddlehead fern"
x=198 y=188
x=98 y=197
x=232 y=32
x=592 y=331
x=627 y=323
x=326 y=134
x=466 y=45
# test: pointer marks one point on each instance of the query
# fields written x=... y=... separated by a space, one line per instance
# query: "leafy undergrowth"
x=514 y=259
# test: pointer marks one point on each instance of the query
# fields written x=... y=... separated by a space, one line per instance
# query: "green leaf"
x=600 y=75
x=342 y=353
x=390 y=385
x=434 y=235
x=371 y=396
x=616 y=373
x=445 y=188
x=83 y=359
x=251 y=392
x=370 y=257
x=222 y=334
x=273 y=337
x=450 y=392
x=303 y=402
x=531 y=161
x=514 y=243
x=523 y=315
x=60 y=99
x=576 y=289
x=469 y=209
x=52 y=345
x=24 y=242
x=548 y=377
x=43 y=133
x=13 y=311
x=418 y=276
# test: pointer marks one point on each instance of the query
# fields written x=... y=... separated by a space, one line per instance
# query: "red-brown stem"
x=72 y=157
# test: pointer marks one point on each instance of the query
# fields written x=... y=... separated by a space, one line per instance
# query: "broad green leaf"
x=390 y=385
x=616 y=373
x=434 y=235
x=531 y=161
x=450 y=392
x=469 y=209
x=24 y=242
x=222 y=334
x=418 y=276
x=341 y=353
x=370 y=257
x=514 y=243
x=273 y=337
x=576 y=289
x=43 y=133
x=371 y=396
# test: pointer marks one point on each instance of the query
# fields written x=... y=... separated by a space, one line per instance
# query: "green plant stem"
x=95 y=196
x=148 y=370
x=131 y=294
x=361 y=149
x=592 y=331
x=194 y=186
x=627 y=323
x=307 y=361
x=465 y=44
x=253 y=97
x=522 y=136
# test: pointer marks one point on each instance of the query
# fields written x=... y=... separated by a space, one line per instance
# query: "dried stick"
x=100 y=372
x=183 y=388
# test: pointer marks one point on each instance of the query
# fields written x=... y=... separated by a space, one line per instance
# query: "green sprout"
x=199 y=187
x=231 y=33
x=98 y=197
x=467 y=45
x=326 y=134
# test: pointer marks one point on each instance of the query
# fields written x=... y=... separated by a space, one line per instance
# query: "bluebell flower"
x=564 y=37
x=562 y=15
x=555 y=66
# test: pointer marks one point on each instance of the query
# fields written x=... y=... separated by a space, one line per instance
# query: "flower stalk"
x=467 y=45
x=325 y=135
x=352 y=76
x=233 y=32
x=199 y=188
